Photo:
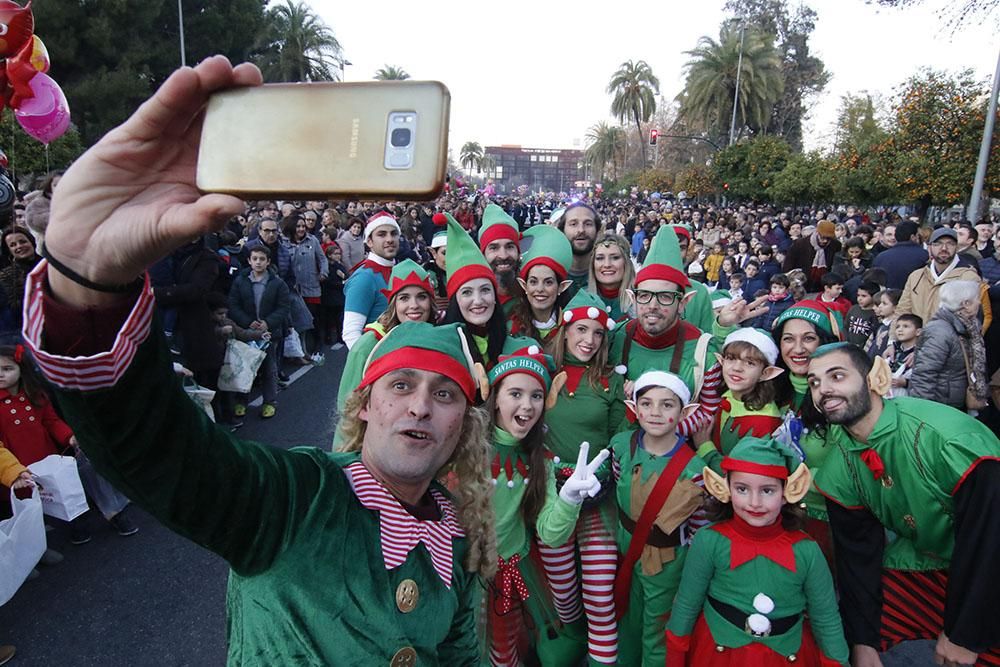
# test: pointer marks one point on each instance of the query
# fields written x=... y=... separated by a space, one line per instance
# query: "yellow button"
x=407 y=595
x=405 y=657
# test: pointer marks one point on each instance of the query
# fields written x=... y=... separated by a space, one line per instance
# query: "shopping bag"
x=22 y=543
x=61 y=489
x=202 y=396
x=293 y=345
x=302 y=319
x=240 y=366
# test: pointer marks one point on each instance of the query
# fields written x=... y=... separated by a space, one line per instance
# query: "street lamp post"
x=180 y=22
x=984 y=150
x=343 y=64
x=736 y=94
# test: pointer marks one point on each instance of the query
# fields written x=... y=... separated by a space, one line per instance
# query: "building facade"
x=511 y=167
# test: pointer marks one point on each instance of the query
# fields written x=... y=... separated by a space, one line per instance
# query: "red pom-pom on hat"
x=440 y=219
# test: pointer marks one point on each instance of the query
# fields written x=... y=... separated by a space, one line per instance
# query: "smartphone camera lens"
x=401 y=137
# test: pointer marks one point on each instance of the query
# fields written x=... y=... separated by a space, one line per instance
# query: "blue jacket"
x=990 y=268
x=900 y=261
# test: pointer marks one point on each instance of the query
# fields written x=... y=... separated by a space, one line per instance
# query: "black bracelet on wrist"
x=89 y=284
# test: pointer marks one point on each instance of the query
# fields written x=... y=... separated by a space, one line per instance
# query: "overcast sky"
x=534 y=73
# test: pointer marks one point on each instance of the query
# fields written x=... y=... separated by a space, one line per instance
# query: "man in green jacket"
x=930 y=475
x=343 y=559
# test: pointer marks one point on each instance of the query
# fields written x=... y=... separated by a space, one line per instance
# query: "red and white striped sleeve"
x=708 y=400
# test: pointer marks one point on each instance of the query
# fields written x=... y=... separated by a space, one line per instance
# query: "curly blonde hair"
x=470 y=464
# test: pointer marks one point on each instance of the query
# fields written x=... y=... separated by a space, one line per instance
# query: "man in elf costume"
x=499 y=236
x=363 y=297
x=929 y=474
x=352 y=558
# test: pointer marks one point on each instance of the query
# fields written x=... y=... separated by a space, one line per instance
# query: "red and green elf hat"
x=523 y=355
x=546 y=245
x=423 y=346
x=664 y=262
x=817 y=312
x=762 y=456
x=405 y=274
x=586 y=306
x=497 y=225
x=465 y=261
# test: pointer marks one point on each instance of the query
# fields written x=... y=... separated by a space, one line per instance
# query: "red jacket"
x=31 y=432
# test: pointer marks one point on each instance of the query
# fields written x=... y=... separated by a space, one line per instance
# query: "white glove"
x=583 y=484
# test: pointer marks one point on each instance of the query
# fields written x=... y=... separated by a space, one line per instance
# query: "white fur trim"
x=663 y=379
x=758 y=339
x=379 y=221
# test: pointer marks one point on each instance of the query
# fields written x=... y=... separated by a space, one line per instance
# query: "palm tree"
x=471 y=155
x=298 y=45
x=634 y=87
x=391 y=73
x=711 y=81
x=605 y=143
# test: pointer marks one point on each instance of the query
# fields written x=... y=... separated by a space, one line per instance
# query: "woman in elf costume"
x=750 y=579
x=472 y=296
x=526 y=501
x=546 y=256
x=611 y=276
x=659 y=507
x=588 y=409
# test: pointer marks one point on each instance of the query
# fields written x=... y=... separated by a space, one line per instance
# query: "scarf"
x=819 y=259
x=939 y=277
x=975 y=355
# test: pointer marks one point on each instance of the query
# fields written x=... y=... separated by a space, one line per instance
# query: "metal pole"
x=984 y=150
x=180 y=22
x=736 y=94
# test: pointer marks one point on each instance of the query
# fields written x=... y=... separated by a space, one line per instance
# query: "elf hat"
x=762 y=456
x=721 y=298
x=811 y=310
x=663 y=262
x=586 y=306
x=665 y=380
x=465 y=261
x=405 y=274
x=440 y=238
x=682 y=230
x=523 y=355
x=758 y=338
x=497 y=225
x=378 y=220
x=423 y=346
x=546 y=245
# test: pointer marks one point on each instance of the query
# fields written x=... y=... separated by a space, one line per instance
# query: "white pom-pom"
x=621 y=369
x=758 y=624
x=763 y=604
x=534 y=349
x=526 y=481
x=568 y=316
x=494 y=480
x=592 y=313
x=510 y=484
x=611 y=324
x=556 y=459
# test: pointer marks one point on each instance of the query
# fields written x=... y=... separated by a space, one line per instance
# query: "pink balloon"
x=46 y=115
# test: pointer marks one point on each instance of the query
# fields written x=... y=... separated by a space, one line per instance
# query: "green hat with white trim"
x=587 y=306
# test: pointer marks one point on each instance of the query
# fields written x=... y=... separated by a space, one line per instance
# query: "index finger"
x=581 y=460
x=598 y=460
x=759 y=301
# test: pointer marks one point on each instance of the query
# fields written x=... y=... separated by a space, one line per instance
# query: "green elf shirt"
x=734 y=422
x=583 y=413
x=920 y=452
x=732 y=563
x=815 y=448
x=698 y=311
x=354 y=368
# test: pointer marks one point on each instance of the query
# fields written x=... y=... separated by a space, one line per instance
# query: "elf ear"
x=880 y=376
x=483 y=379
x=797 y=484
x=771 y=372
x=557 y=384
x=686 y=299
x=565 y=285
x=718 y=357
x=524 y=285
x=716 y=484
x=688 y=410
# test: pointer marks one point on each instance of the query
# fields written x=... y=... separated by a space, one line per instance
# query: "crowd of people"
x=635 y=430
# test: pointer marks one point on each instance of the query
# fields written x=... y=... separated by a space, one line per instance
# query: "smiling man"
x=929 y=474
x=363 y=297
x=498 y=240
x=920 y=294
x=580 y=224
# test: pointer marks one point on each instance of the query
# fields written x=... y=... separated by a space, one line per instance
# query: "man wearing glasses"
x=920 y=294
x=281 y=256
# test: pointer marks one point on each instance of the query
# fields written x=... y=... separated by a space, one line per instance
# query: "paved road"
x=157 y=599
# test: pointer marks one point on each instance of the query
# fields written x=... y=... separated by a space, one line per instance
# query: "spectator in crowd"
x=861 y=319
x=984 y=243
x=832 y=288
x=352 y=243
x=886 y=240
x=736 y=282
x=885 y=311
x=310 y=268
x=968 y=239
x=331 y=311
x=713 y=264
x=778 y=301
x=17 y=246
x=903 y=258
x=853 y=260
x=272 y=239
x=226 y=329
x=755 y=284
x=920 y=294
x=900 y=353
x=769 y=267
x=814 y=254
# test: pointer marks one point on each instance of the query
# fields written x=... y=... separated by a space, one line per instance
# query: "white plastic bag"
x=202 y=396
x=240 y=366
x=293 y=345
x=22 y=543
x=61 y=490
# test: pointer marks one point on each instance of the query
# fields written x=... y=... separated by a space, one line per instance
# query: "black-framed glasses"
x=269 y=231
x=667 y=298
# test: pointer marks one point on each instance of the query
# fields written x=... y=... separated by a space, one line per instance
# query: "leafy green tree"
x=749 y=167
x=471 y=155
x=297 y=45
x=633 y=87
x=807 y=178
x=710 y=87
x=861 y=166
x=697 y=180
x=605 y=145
x=391 y=73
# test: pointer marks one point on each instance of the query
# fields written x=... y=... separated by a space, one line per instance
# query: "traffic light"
x=653 y=134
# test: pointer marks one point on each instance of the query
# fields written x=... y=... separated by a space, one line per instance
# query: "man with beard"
x=363 y=297
x=920 y=294
x=498 y=239
x=580 y=224
x=928 y=473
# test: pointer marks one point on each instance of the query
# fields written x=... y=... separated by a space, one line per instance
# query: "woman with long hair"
x=612 y=274
x=310 y=267
x=545 y=262
x=20 y=257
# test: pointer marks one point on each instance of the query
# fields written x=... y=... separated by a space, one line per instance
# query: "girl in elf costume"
x=659 y=507
x=472 y=296
x=546 y=256
x=588 y=408
x=748 y=408
x=611 y=276
x=525 y=501
x=750 y=579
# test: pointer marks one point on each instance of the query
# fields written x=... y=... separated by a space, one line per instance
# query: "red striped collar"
x=400 y=531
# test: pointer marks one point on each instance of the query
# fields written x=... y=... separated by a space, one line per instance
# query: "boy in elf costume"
x=659 y=494
x=750 y=579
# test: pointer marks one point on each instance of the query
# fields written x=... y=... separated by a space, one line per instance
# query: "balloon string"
x=47 y=169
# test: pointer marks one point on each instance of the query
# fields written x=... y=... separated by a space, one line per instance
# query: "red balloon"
x=16 y=26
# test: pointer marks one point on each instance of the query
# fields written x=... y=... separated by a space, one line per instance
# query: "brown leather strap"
x=657 y=538
x=675 y=361
x=627 y=346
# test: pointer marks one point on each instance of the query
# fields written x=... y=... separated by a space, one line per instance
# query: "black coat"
x=275 y=303
x=195 y=273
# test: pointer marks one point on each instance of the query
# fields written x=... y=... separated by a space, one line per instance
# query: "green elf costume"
x=930 y=474
x=699 y=310
x=659 y=509
x=327 y=566
x=586 y=411
x=684 y=349
x=497 y=225
x=746 y=589
x=405 y=274
x=542 y=245
x=517 y=588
